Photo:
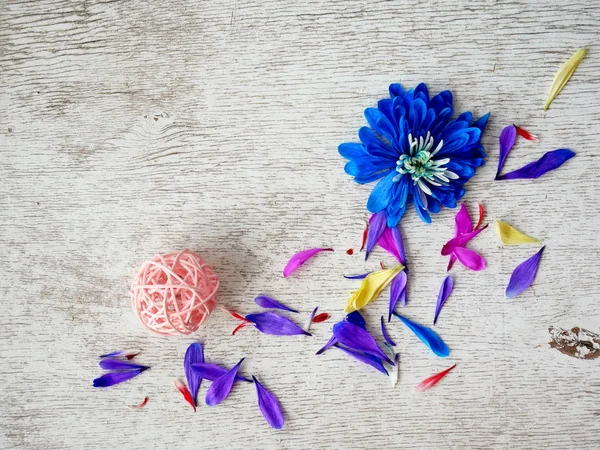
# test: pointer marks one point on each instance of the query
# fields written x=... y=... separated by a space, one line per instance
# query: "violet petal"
x=469 y=258
x=357 y=277
x=310 y=319
x=268 y=302
x=428 y=336
x=445 y=290
x=357 y=319
x=194 y=354
x=115 y=364
x=300 y=258
x=272 y=323
x=507 y=141
x=377 y=225
x=128 y=354
x=523 y=276
x=356 y=338
x=110 y=379
x=386 y=336
x=365 y=358
x=332 y=341
x=549 y=161
x=211 y=371
x=397 y=292
x=220 y=388
x=269 y=406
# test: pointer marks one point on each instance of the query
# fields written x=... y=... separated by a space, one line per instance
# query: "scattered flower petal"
x=511 y=236
x=481 y=215
x=356 y=338
x=356 y=318
x=428 y=336
x=220 y=388
x=269 y=406
x=115 y=364
x=397 y=292
x=357 y=277
x=310 y=319
x=428 y=383
x=462 y=222
x=469 y=258
x=386 y=336
x=268 y=302
x=549 y=161
x=526 y=134
x=565 y=72
x=181 y=387
x=350 y=251
x=300 y=258
x=141 y=405
x=377 y=225
x=370 y=288
x=194 y=354
x=239 y=327
x=211 y=371
x=391 y=242
x=321 y=317
x=271 y=323
x=110 y=379
x=332 y=341
x=235 y=315
x=523 y=276
x=445 y=290
x=127 y=354
x=507 y=141
x=365 y=358
x=460 y=241
x=364 y=237
x=396 y=370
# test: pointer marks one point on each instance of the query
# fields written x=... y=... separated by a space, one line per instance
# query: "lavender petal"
x=428 y=336
x=445 y=290
x=365 y=358
x=386 y=336
x=110 y=379
x=211 y=371
x=356 y=338
x=220 y=388
x=549 y=161
x=194 y=354
x=507 y=141
x=332 y=341
x=271 y=323
x=377 y=225
x=397 y=292
x=268 y=302
x=523 y=276
x=269 y=406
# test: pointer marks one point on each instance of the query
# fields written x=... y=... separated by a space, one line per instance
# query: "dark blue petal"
x=357 y=277
x=332 y=341
x=422 y=91
x=428 y=336
x=210 y=371
x=396 y=90
x=357 y=319
x=549 y=161
x=380 y=123
x=271 y=323
x=467 y=116
x=481 y=122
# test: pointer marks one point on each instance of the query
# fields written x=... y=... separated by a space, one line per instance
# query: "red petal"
x=239 y=327
x=350 y=251
x=364 y=238
x=381 y=265
x=481 y=214
x=141 y=405
x=321 y=317
x=428 y=383
x=526 y=134
x=185 y=392
x=236 y=315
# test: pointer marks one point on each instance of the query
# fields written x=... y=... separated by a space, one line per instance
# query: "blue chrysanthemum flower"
x=420 y=154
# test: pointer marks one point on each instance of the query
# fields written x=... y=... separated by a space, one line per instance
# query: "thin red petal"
x=364 y=237
x=381 y=265
x=428 y=383
x=236 y=315
x=526 y=134
x=321 y=317
x=350 y=251
x=185 y=392
x=141 y=405
x=239 y=327
x=481 y=215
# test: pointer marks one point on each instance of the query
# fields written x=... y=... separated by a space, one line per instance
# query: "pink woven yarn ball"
x=175 y=293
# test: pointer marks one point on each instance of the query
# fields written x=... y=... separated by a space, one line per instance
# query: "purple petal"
x=377 y=225
x=128 y=354
x=300 y=258
x=391 y=241
x=386 y=336
x=269 y=406
x=115 y=364
x=469 y=258
x=211 y=372
x=310 y=319
x=427 y=336
x=221 y=387
x=460 y=241
x=549 y=161
x=462 y=221
x=357 y=319
x=110 y=379
x=332 y=341
x=271 y=323
x=365 y=358
x=194 y=354
x=357 y=277
x=445 y=290
x=523 y=276
x=268 y=302
x=397 y=292
x=507 y=141
x=356 y=338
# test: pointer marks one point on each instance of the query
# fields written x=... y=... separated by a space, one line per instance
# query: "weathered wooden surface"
x=130 y=128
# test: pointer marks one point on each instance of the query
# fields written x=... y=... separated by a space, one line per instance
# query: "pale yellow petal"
x=511 y=236
x=565 y=72
x=370 y=288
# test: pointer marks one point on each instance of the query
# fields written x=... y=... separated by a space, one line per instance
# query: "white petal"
x=451 y=175
x=438 y=148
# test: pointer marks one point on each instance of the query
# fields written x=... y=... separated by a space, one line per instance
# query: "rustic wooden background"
x=130 y=128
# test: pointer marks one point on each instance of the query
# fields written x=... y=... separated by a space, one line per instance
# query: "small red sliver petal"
x=428 y=383
x=381 y=265
x=185 y=392
x=364 y=237
x=481 y=215
x=239 y=327
x=236 y=315
x=141 y=405
x=526 y=134
x=350 y=251
x=321 y=317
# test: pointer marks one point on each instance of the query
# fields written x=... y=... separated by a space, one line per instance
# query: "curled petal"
x=356 y=338
x=469 y=258
x=140 y=405
x=115 y=364
x=269 y=406
x=481 y=215
x=428 y=383
x=211 y=372
x=428 y=336
x=397 y=292
x=220 y=388
x=235 y=315
x=526 y=134
x=365 y=358
x=549 y=161
x=565 y=72
x=445 y=290
x=511 y=236
x=110 y=379
x=181 y=387
x=507 y=141
x=194 y=354
x=271 y=323
x=385 y=334
x=300 y=258
x=462 y=221
x=357 y=277
x=268 y=302
x=523 y=276
x=239 y=327
x=370 y=288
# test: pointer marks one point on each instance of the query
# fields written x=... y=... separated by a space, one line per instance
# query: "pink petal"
x=470 y=259
x=460 y=241
x=462 y=221
x=300 y=258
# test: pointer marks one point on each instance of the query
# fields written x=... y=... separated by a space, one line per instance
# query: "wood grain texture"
x=130 y=128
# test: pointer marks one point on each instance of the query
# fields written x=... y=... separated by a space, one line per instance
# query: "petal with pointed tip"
x=128 y=354
x=332 y=341
x=115 y=364
x=523 y=276
x=481 y=215
x=462 y=221
x=445 y=290
x=377 y=225
x=220 y=388
x=310 y=319
x=300 y=258
x=391 y=241
x=268 y=302
x=357 y=277
x=371 y=287
x=356 y=338
x=428 y=383
x=365 y=358
x=511 y=236
x=564 y=73
x=460 y=241
x=181 y=387
x=469 y=258
x=269 y=406
x=385 y=334
x=429 y=337
x=397 y=292
x=211 y=371
x=110 y=379
x=356 y=318
x=194 y=354
x=272 y=323
x=507 y=141
x=526 y=134
x=548 y=162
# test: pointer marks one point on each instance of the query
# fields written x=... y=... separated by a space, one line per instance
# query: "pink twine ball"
x=175 y=293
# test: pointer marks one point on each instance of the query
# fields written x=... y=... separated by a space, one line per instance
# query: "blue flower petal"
x=380 y=196
x=428 y=336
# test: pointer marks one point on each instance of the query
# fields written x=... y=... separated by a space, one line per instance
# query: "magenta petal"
x=269 y=406
x=271 y=323
x=523 y=276
x=268 y=302
x=365 y=358
x=460 y=241
x=445 y=290
x=110 y=379
x=451 y=262
x=386 y=336
x=210 y=371
x=391 y=241
x=462 y=222
x=115 y=364
x=356 y=338
x=397 y=292
x=300 y=258
x=549 y=161
x=220 y=388
x=194 y=354
x=377 y=225
x=507 y=141
x=469 y=258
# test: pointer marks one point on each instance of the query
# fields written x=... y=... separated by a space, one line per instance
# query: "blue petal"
x=380 y=123
x=357 y=319
x=428 y=336
x=269 y=406
x=417 y=116
x=482 y=122
x=385 y=334
x=396 y=90
x=381 y=194
x=115 y=364
x=352 y=150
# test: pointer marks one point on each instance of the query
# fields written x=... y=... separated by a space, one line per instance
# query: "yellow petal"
x=511 y=236
x=371 y=287
x=564 y=73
